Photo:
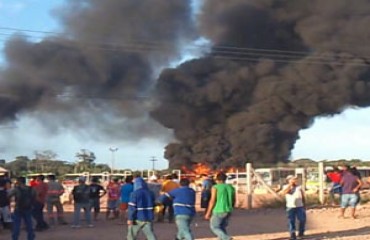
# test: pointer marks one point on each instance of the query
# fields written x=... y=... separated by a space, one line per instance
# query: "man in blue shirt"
x=141 y=211
x=126 y=191
x=184 y=206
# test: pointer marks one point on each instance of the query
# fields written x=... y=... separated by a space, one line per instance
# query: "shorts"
x=123 y=206
x=349 y=200
x=95 y=204
x=336 y=188
x=5 y=214
x=112 y=204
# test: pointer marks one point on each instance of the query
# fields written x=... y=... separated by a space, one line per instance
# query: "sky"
x=343 y=136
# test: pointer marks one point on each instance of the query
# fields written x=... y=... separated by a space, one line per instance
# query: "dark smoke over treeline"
x=273 y=67
x=226 y=110
x=97 y=74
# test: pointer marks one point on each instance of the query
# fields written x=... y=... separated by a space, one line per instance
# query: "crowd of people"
x=136 y=202
x=346 y=183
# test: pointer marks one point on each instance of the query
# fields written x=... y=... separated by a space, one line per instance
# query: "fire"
x=201 y=168
x=198 y=169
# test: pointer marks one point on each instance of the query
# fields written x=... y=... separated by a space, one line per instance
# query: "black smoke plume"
x=99 y=72
x=273 y=68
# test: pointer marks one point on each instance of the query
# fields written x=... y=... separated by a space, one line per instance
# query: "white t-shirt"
x=294 y=198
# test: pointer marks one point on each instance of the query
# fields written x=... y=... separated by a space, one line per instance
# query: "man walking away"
x=41 y=189
x=184 y=206
x=220 y=206
x=205 y=194
x=96 y=192
x=295 y=202
x=126 y=191
x=351 y=184
x=167 y=186
x=140 y=211
x=55 y=190
x=155 y=187
x=24 y=199
x=81 y=198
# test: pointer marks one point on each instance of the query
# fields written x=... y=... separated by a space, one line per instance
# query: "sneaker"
x=90 y=226
x=300 y=236
x=293 y=236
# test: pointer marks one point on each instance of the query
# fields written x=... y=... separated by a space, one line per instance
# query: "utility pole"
x=153 y=160
x=113 y=150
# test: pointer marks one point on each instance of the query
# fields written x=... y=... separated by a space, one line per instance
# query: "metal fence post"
x=249 y=186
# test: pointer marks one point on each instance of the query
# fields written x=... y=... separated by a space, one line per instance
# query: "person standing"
x=167 y=186
x=295 y=202
x=335 y=177
x=96 y=192
x=184 y=207
x=55 y=190
x=126 y=191
x=205 y=194
x=351 y=185
x=5 y=213
x=113 y=190
x=140 y=211
x=155 y=187
x=81 y=198
x=41 y=189
x=24 y=199
x=220 y=206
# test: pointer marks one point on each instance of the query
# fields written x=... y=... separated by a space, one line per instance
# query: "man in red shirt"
x=114 y=193
x=41 y=189
x=335 y=178
x=33 y=181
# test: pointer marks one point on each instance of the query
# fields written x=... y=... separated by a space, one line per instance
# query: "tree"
x=86 y=160
x=42 y=161
x=19 y=166
x=45 y=155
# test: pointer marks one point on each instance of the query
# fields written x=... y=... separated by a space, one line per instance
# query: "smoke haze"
x=273 y=67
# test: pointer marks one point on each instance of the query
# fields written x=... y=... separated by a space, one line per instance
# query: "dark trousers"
x=168 y=207
x=38 y=215
x=26 y=215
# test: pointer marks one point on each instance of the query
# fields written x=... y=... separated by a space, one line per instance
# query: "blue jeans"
x=26 y=215
x=349 y=200
x=296 y=213
x=218 y=224
x=183 y=227
x=146 y=227
x=77 y=210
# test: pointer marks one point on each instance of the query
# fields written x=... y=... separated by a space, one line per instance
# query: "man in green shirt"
x=220 y=206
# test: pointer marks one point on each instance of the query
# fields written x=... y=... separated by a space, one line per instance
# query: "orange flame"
x=197 y=169
x=201 y=168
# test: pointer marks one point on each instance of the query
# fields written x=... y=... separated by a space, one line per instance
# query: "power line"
x=222 y=52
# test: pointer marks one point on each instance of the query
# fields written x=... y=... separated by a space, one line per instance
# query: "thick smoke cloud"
x=100 y=72
x=273 y=67
x=239 y=104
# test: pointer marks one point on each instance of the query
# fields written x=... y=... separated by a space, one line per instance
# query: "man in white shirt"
x=295 y=203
